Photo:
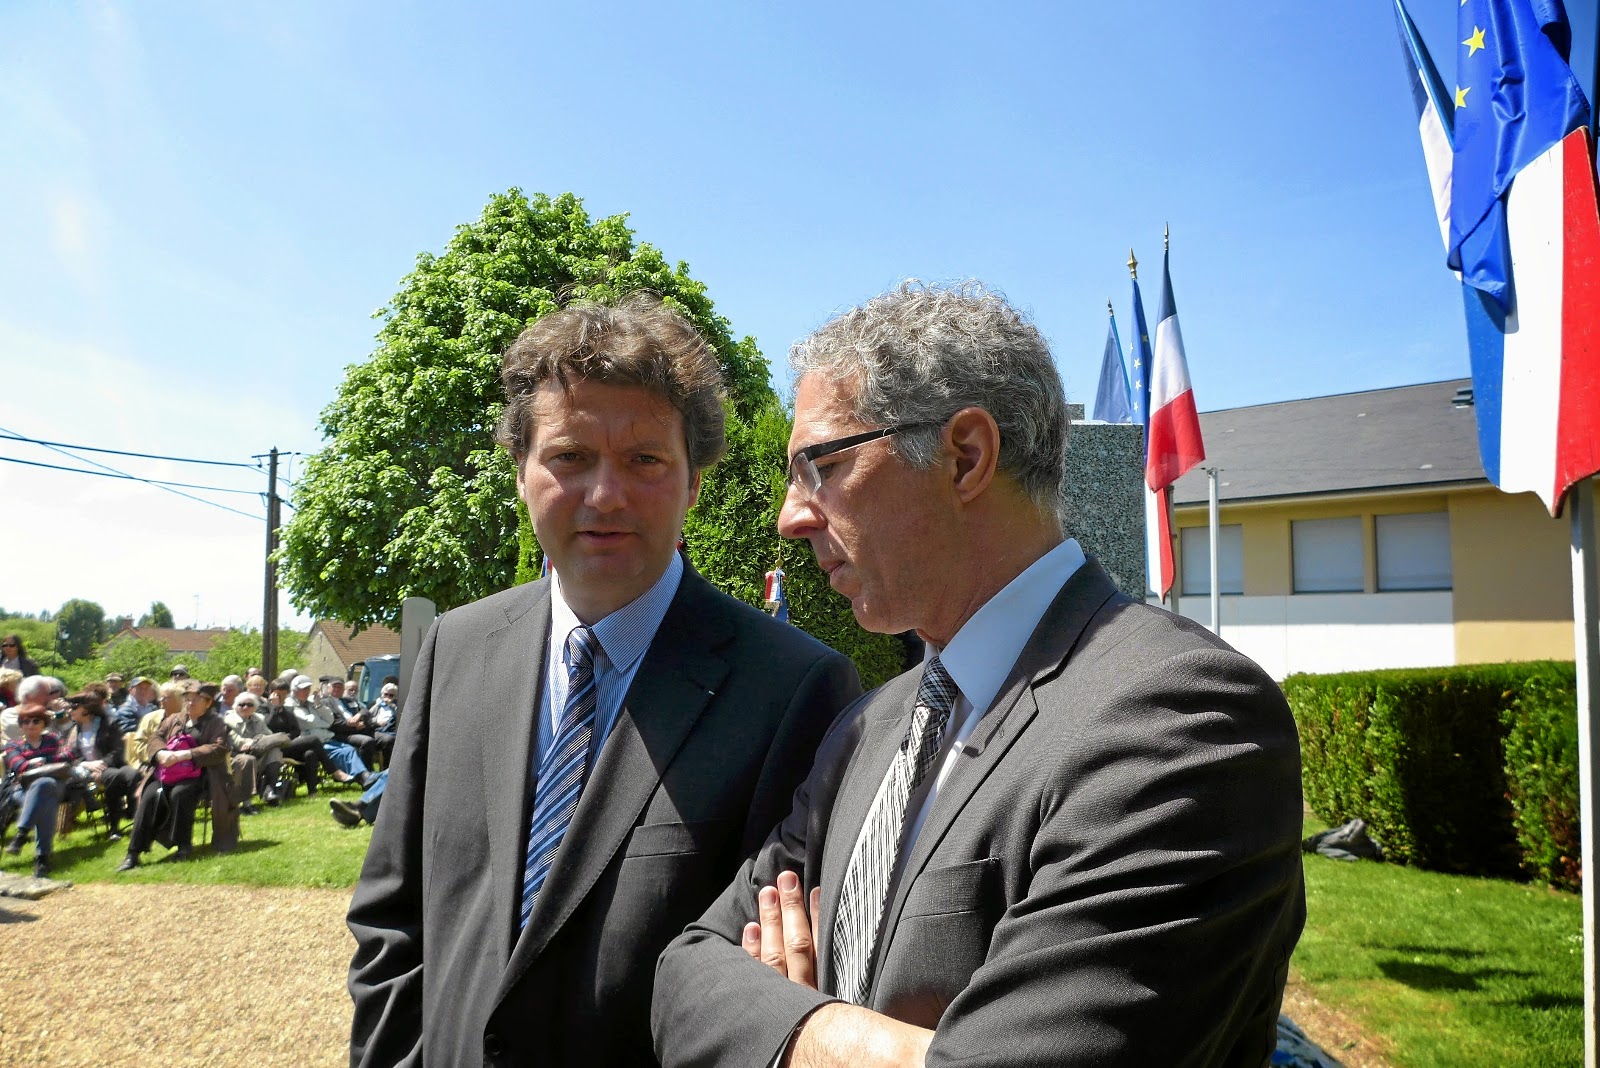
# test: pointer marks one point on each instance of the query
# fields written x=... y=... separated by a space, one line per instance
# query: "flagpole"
x=1586 y=640
x=1216 y=584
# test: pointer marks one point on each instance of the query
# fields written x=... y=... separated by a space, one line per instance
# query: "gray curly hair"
x=924 y=351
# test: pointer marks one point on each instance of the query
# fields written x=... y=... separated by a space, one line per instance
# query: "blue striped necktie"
x=866 y=879
x=562 y=770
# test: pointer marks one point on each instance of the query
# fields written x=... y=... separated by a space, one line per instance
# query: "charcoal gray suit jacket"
x=719 y=726
x=1111 y=878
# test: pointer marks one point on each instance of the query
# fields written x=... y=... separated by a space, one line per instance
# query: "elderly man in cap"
x=1069 y=837
x=188 y=759
x=316 y=719
x=140 y=702
x=179 y=673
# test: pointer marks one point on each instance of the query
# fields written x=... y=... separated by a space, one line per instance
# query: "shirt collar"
x=625 y=634
x=986 y=647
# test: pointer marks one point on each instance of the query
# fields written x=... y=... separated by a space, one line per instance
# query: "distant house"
x=1359 y=531
x=184 y=644
x=331 y=649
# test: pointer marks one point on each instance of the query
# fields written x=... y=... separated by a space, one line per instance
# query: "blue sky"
x=201 y=206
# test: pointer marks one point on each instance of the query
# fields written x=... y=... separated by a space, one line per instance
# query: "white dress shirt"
x=980 y=657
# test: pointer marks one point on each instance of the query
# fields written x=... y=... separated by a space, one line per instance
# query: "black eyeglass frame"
x=803 y=464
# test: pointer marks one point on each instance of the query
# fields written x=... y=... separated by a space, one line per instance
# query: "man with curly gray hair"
x=1071 y=835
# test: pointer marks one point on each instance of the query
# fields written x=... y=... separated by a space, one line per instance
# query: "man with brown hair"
x=583 y=761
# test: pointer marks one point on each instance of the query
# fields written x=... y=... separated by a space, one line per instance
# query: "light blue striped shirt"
x=623 y=637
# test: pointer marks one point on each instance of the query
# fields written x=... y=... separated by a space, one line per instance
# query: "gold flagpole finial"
x=1133 y=265
x=1166 y=238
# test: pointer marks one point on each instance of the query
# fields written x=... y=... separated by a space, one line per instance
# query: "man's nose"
x=798 y=516
x=606 y=490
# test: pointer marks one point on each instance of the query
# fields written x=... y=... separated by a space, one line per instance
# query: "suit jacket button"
x=491 y=1045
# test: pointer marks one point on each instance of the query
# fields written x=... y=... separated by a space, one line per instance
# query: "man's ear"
x=517 y=456
x=973 y=440
x=694 y=489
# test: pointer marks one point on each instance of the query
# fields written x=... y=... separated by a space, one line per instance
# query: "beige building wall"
x=1513 y=578
x=1510 y=562
x=320 y=657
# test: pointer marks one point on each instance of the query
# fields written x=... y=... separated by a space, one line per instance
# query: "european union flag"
x=1515 y=97
x=1111 y=402
x=1139 y=361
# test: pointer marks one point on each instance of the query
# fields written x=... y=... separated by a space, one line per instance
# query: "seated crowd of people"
x=149 y=754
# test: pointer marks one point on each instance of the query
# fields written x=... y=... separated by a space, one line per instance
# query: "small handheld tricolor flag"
x=777 y=603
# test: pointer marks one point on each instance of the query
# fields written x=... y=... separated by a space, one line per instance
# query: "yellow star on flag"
x=1461 y=96
x=1474 y=42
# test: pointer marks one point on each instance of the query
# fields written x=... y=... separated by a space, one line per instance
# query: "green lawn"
x=297 y=844
x=1452 y=970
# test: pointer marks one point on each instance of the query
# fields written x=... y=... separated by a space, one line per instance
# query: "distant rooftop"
x=1409 y=436
x=376 y=640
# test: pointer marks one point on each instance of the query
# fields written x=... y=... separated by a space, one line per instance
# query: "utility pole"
x=269 y=604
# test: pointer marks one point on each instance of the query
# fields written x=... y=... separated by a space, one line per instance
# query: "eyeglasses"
x=803 y=471
x=8 y=645
x=25 y=720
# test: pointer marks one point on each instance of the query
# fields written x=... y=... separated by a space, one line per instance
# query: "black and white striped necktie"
x=866 y=880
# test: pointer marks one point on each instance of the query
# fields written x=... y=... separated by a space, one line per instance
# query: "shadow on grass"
x=1439 y=977
x=1550 y=1001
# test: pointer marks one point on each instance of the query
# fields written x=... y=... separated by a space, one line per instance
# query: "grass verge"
x=297 y=844
x=1450 y=970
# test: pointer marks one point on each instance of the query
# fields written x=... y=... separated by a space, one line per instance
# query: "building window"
x=1196 y=548
x=1327 y=555
x=1414 y=551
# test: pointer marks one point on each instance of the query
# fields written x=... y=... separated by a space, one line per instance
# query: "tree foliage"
x=410 y=497
x=158 y=616
x=80 y=626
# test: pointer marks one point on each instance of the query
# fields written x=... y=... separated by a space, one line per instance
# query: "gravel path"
x=140 y=975
x=102 y=974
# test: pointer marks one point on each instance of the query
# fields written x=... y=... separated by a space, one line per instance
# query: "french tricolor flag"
x=1511 y=166
x=1172 y=438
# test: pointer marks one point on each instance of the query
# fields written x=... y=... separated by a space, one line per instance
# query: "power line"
x=124 y=474
x=133 y=478
x=120 y=452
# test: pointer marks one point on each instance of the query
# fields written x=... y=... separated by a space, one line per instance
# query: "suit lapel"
x=513 y=674
x=681 y=672
x=1015 y=707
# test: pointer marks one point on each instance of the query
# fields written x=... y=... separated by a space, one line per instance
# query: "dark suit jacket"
x=1112 y=878
x=720 y=725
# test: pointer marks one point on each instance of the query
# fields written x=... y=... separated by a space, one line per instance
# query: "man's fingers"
x=816 y=911
x=752 y=940
x=798 y=946
x=771 y=916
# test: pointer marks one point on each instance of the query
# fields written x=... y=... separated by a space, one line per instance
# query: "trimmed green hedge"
x=1462 y=769
x=1542 y=774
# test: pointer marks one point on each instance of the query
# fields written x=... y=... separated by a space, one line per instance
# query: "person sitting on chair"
x=189 y=755
x=95 y=740
x=384 y=719
x=305 y=751
x=251 y=737
x=317 y=718
x=33 y=764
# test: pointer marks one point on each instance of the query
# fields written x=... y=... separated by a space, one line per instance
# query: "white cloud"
x=123 y=543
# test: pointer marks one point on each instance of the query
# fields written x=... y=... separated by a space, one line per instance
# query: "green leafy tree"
x=410 y=497
x=240 y=650
x=158 y=616
x=80 y=626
